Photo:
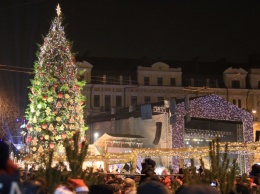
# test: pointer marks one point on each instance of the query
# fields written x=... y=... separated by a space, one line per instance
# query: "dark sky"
x=169 y=29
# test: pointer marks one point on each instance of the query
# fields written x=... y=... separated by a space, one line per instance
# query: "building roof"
x=125 y=66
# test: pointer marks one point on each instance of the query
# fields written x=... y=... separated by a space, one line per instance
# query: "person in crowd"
x=200 y=170
x=110 y=177
x=148 y=167
x=129 y=186
x=149 y=187
x=199 y=189
x=180 y=184
x=165 y=178
x=241 y=187
x=79 y=186
x=31 y=187
x=100 y=189
x=255 y=173
x=9 y=172
x=137 y=179
x=64 y=189
x=115 y=186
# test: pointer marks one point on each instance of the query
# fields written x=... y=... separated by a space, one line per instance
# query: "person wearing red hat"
x=79 y=185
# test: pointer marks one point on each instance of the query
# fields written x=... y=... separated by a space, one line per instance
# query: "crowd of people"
x=13 y=182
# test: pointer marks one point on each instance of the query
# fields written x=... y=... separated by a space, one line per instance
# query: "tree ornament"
x=72 y=120
x=40 y=150
x=58 y=105
x=51 y=128
x=44 y=126
x=60 y=95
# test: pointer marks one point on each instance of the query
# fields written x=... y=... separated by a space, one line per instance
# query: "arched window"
x=239 y=103
x=234 y=102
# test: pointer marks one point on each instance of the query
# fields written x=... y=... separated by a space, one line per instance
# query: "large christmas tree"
x=55 y=111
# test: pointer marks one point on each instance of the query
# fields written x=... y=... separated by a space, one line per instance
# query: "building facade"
x=112 y=87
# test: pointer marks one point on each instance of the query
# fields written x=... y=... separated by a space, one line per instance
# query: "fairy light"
x=211 y=107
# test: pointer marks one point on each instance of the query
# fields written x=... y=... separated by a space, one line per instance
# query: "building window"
x=234 y=102
x=199 y=82
x=147 y=99
x=160 y=99
x=133 y=100
x=235 y=84
x=96 y=101
x=107 y=101
x=146 y=81
x=173 y=81
x=239 y=103
x=160 y=81
x=118 y=101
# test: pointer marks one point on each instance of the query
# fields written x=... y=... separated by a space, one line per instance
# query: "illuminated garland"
x=211 y=107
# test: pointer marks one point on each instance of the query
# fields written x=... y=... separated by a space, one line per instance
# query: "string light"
x=211 y=107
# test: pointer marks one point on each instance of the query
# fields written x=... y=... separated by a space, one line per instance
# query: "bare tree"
x=10 y=118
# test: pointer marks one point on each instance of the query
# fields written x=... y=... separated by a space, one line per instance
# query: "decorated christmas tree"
x=55 y=111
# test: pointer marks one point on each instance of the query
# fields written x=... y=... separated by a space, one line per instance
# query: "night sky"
x=166 y=29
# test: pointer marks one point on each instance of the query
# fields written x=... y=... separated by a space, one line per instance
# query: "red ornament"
x=44 y=126
x=41 y=138
x=48 y=64
x=44 y=97
x=62 y=79
x=28 y=139
x=55 y=85
x=64 y=135
x=60 y=95
x=52 y=145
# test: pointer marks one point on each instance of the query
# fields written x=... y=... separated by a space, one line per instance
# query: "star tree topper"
x=58 y=10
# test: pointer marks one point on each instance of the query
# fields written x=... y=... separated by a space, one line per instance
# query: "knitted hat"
x=79 y=185
x=62 y=190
